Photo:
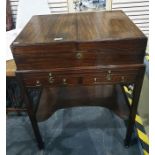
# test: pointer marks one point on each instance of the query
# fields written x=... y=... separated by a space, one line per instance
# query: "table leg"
x=135 y=100
x=35 y=128
x=31 y=113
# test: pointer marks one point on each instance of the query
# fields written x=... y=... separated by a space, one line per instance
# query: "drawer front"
x=95 y=77
x=46 y=79
x=75 y=59
x=80 y=54
x=109 y=79
x=59 y=60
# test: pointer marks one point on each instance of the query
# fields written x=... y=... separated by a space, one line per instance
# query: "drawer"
x=48 y=79
x=74 y=59
x=79 y=54
x=109 y=79
x=92 y=77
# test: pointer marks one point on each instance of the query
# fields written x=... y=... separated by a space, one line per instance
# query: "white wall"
x=56 y=6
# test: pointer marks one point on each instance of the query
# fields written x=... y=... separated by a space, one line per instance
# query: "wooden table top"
x=45 y=34
x=78 y=27
x=10 y=68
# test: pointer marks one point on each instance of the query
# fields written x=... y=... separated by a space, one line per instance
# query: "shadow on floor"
x=73 y=131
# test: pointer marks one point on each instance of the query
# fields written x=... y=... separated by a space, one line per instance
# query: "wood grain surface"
x=92 y=49
x=92 y=26
x=79 y=39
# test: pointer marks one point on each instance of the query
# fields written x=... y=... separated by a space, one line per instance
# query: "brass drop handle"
x=64 y=81
x=38 y=83
x=50 y=78
x=108 y=77
x=79 y=55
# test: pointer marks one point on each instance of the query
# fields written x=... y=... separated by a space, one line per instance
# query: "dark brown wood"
x=126 y=50
x=70 y=51
x=101 y=38
x=87 y=76
x=31 y=113
x=79 y=27
x=132 y=116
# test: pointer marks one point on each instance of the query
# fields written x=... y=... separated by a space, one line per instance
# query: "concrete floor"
x=143 y=108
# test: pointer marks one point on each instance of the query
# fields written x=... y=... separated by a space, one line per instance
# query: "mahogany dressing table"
x=81 y=59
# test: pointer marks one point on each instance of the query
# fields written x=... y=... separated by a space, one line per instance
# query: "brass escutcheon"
x=79 y=55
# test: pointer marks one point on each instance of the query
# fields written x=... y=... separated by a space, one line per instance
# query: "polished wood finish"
x=101 y=38
x=31 y=113
x=132 y=116
x=79 y=27
x=80 y=51
x=84 y=76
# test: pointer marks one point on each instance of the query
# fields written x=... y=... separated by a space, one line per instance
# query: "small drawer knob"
x=109 y=71
x=38 y=83
x=64 y=81
x=79 y=55
x=50 y=74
